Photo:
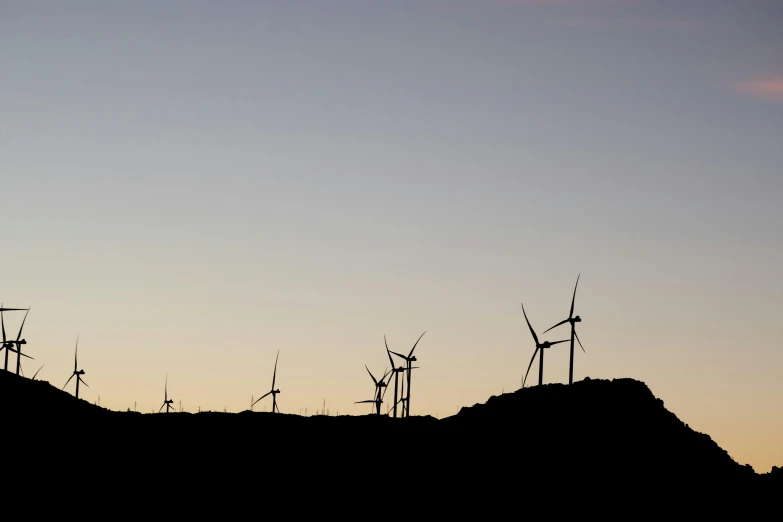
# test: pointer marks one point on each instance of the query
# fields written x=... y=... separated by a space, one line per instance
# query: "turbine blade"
x=21 y=370
x=535 y=337
x=264 y=395
x=400 y=355
x=166 y=390
x=82 y=381
x=274 y=375
x=20 y=328
x=528 y=366
x=558 y=342
x=571 y=313
x=36 y=373
x=371 y=375
x=564 y=321
x=414 y=346
x=75 y=353
x=2 y=323
x=388 y=352
x=161 y=407
x=362 y=402
x=580 y=342
x=277 y=407
x=69 y=380
x=25 y=355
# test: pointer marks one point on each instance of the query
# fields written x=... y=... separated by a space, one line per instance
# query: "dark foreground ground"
x=595 y=435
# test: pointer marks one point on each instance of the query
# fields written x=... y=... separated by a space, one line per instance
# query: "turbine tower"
x=396 y=371
x=539 y=346
x=166 y=401
x=573 y=320
x=409 y=361
x=77 y=373
x=272 y=391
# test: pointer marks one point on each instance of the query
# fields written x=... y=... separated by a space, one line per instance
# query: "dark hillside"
x=594 y=431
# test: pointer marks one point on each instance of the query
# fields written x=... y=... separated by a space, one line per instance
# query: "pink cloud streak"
x=768 y=88
x=631 y=23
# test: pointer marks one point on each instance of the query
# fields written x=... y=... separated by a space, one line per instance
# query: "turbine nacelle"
x=548 y=344
x=576 y=319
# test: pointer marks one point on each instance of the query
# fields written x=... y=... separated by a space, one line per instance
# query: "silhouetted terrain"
x=589 y=433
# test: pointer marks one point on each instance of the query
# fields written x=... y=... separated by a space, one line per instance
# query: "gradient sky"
x=192 y=186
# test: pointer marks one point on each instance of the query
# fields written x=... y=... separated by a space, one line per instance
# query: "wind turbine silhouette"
x=78 y=373
x=539 y=346
x=409 y=360
x=573 y=320
x=9 y=345
x=273 y=391
x=166 y=401
x=19 y=342
x=378 y=400
x=396 y=372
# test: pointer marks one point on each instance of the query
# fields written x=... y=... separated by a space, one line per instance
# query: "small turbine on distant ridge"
x=18 y=343
x=166 y=401
x=272 y=391
x=9 y=345
x=573 y=320
x=539 y=346
x=378 y=400
x=77 y=373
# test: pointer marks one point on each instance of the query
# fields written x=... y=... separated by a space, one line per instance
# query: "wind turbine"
x=166 y=401
x=19 y=342
x=78 y=373
x=396 y=371
x=539 y=346
x=8 y=345
x=272 y=391
x=573 y=320
x=409 y=360
x=378 y=400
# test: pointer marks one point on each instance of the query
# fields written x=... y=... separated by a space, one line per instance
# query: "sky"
x=192 y=186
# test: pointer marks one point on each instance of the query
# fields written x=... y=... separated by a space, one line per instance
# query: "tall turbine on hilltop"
x=77 y=373
x=166 y=401
x=573 y=320
x=378 y=400
x=539 y=346
x=273 y=391
x=396 y=371
x=409 y=361
x=7 y=345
